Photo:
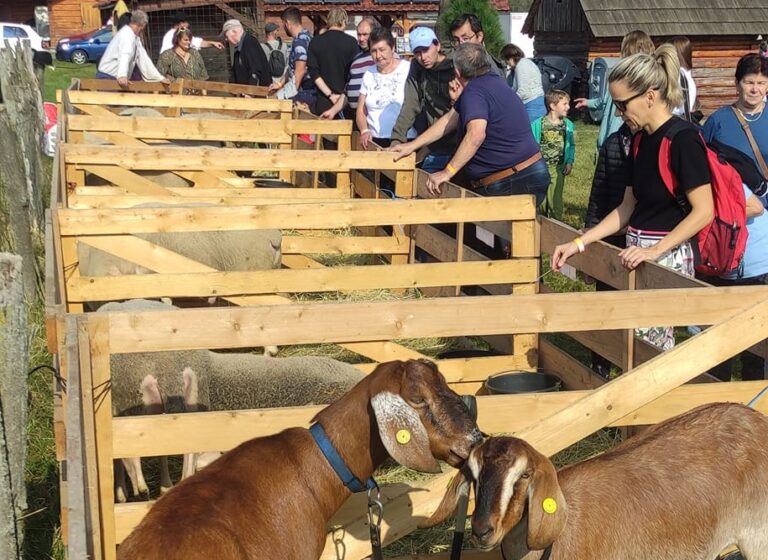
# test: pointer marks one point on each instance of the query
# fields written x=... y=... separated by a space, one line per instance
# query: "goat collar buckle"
x=352 y=483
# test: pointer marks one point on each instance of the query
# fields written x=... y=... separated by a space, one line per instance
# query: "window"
x=13 y=32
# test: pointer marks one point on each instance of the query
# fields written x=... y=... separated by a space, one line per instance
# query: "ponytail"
x=659 y=71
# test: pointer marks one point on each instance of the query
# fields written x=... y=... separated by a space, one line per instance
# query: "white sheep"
x=685 y=489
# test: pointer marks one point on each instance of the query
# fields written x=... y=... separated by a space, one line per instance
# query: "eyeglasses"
x=455 y=41
x=621 y=106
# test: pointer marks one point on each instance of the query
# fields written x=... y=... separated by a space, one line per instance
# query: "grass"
x=61 y=75
x=43 y=538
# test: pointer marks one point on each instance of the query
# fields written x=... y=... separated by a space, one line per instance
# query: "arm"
x=445 y=124
x=702 y=212
x=473 y=139
x=361 y=119
x=410 y=109
x=204 y=44
x=614 y=222
x=755 y=208
x=301 y=70
x=164 y=65
x=126 y=52
x=147 y=69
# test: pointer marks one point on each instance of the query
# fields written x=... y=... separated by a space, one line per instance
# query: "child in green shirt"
x=554 y=133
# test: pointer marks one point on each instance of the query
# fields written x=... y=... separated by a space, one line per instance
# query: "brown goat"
x=685 y=489
x=272 y=497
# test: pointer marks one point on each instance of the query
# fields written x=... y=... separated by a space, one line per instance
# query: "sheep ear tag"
x=402 y=432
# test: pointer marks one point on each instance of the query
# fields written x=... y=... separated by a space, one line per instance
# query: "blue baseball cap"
x=421 y=38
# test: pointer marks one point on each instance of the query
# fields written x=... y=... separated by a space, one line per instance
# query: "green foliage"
x=494 y=38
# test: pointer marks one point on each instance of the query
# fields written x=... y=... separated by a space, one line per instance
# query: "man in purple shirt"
x=497 y=151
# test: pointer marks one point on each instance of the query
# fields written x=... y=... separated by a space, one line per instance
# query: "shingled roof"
x=614 y=18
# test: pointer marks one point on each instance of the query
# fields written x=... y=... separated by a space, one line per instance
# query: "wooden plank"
x=343 y=245
x=223 y=87
x=98 y=329
x=347 y=278
x=324 y=215
x=463 y=370
x=177 y=158
x=127 y=179
x=180 y=433
x=390 y=320
x=574 y=374
x=198 y=194
x=184 y=101
x=138 y=87
x=93 y=521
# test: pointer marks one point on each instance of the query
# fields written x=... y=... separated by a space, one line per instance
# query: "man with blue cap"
x=426 y=96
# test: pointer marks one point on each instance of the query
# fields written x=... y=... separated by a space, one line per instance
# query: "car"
x=88 y=47
x=12 y=33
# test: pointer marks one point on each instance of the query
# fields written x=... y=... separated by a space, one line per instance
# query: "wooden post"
x=14 y=362
x=21 y=128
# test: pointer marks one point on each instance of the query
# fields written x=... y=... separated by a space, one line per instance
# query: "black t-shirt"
x=656 y=209
x=330 y=56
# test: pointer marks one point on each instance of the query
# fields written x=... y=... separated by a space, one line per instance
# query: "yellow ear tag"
x=549 y=505
x=403 y=436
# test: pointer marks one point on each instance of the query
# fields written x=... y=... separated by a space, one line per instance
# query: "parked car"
x=15 y=32
x=88 y=47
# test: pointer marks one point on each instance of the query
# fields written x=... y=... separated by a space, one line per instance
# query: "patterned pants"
x=679 y=259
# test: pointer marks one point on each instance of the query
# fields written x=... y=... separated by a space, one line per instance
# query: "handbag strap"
x=755 y=149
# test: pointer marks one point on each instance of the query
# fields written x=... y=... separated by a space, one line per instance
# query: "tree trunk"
x=14 y=363
x=21 y=173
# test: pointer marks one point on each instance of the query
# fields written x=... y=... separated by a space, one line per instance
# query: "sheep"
x=685 y=489
x=272 y=497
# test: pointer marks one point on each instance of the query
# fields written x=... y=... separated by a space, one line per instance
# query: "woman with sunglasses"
x=182 y=61
x=645 y=89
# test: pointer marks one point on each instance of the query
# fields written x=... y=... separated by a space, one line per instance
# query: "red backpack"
x=723 y=241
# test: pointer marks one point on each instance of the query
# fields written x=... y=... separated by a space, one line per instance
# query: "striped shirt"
x=360 y=64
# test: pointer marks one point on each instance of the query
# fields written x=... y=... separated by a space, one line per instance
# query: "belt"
x=509 y=172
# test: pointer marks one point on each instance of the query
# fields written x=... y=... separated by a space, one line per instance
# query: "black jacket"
x=611 y=179
x=250 y=66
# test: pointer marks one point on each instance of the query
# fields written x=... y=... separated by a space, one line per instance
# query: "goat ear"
x=402 y=432
x=459 y=484
x=547 y=509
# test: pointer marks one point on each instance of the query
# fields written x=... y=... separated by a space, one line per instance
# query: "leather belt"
x=509 y=172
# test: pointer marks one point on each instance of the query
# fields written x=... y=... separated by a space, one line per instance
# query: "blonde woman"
x=645 y=89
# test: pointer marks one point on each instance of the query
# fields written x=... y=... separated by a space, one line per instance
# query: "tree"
x=494 y=38
x=520 y=5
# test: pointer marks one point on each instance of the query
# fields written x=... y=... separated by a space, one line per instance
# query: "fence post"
x=14 y=361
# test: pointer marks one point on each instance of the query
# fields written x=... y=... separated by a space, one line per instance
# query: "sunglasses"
x=621 y=105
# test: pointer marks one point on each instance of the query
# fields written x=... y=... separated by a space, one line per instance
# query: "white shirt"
x=167 y=45
x=384 y=94
x=124 y=53
x=680 y=111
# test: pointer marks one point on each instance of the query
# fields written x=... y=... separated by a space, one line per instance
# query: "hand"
x=580 y=103
x=435 y=180
x=165 y=82
x=631 y=257
x=276 y=87
x=401 y=150
x=334 y=97
x=561 y=254
x=567 y=168
x=123 y=82
x=455 y=90
x=217 y=44
x=330 y=114
x=365 y=139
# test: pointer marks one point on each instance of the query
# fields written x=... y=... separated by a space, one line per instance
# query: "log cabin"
x=721 y=31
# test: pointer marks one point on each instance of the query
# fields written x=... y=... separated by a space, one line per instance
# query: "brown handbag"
x=755 y=149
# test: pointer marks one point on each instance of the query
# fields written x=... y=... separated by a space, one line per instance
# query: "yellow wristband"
x=451 y=169
x=579 y=242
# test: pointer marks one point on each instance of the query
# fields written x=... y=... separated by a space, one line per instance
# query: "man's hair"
x=291 y=15
x=554 y=96
x=180 y=17
x=371 y=21
x=474 y=23
x=471 y=60
x=512 y=51
x=139 y=17
x=337 y=17
x=381 y=34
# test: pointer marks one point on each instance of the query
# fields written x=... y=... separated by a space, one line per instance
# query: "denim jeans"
x=435 y=162
x=536 y=108
x=531 y=180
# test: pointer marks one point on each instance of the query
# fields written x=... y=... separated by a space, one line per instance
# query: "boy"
x=554 y=133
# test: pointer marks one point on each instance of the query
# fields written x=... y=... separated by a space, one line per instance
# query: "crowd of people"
x=491 y=126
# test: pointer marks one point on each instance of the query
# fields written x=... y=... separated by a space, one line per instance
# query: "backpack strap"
x=752 y=143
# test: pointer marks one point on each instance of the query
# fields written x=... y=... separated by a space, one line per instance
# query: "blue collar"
x=337 y=463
